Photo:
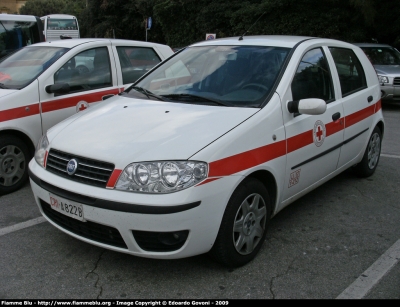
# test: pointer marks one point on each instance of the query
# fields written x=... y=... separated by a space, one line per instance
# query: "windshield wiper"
x=3 y=86
x=194 y=98
x=148 y=93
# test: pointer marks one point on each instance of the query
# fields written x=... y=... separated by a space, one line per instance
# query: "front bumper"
x=390 y=92
x=136 y=223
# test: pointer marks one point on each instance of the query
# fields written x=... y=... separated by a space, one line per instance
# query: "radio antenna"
x=241 y=38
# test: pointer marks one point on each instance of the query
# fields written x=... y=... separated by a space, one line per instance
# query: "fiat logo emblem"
x=72 y=166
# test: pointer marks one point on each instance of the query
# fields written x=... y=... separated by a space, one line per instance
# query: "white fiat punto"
x=200 y=153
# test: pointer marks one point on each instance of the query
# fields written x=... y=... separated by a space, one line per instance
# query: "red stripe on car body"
x=113 y=178
x=53 y=105
x=208 y=180
x=58 y=104
x=358 y=116
x=245 y=160
x=19 y=112
x=234 y=164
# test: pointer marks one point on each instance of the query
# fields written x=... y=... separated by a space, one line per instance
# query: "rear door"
x=358 y=102
x=90 y=72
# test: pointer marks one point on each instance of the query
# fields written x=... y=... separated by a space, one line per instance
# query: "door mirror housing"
x=58 y=88
x=309 y=106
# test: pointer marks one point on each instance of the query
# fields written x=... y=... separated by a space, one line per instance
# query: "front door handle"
x=336 y=116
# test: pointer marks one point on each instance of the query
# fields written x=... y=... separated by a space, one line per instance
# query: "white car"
x=44 y=83
x=200 y=153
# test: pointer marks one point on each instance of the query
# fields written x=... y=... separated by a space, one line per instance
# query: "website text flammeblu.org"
x=126 y=303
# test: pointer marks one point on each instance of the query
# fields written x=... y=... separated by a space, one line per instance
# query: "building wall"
x=11 y=6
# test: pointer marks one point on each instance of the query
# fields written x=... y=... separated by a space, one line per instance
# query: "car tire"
x=14 y=159
x=249 y=209
x=370 y=160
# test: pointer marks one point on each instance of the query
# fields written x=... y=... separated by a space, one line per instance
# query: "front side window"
x=21 y=68
x=240 y=76
x=87 y=70
x=351 y=74
x=136 y=61
x=313 y=77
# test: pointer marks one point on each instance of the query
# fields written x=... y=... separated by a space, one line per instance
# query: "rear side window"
x=136 y=61
x=351 y=73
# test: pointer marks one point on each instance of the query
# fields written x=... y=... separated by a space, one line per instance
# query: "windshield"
x=17 y=34
x=61 y=24
x=240 y=76
x=382 y=55
x=21 y=68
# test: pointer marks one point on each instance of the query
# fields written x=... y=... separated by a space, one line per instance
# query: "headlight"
x=41 y=149
x=161 y=176
x=383 y=79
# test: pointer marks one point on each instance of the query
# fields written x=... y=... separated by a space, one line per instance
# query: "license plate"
x=67 y=207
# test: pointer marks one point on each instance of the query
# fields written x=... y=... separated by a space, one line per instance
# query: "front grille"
x=396 y=81
x=89 y=171
x=90 y=230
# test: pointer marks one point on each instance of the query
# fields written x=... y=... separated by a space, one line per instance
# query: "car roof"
x=288 y=41
x=70 y=43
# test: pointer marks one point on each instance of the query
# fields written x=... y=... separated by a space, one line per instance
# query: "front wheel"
x=370 y=160
x=14 y=158
x=244 y=224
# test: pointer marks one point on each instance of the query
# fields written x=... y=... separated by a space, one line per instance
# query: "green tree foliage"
x=45 y=7
x=183 y=22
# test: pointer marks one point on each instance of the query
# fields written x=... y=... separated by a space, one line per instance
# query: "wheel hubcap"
x=374 y=150
x=249 y=225
x=12 y=165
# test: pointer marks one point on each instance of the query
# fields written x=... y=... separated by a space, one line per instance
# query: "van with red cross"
x=199 y=154
x=44 y=83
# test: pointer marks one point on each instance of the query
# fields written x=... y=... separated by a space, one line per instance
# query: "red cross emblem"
x=319 y=133
x=81 y=106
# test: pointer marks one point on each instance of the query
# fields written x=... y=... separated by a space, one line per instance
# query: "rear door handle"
x=336 y=116
x=370 y=98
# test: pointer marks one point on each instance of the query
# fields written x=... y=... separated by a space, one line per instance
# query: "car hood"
x=126 y=130
x=388 y=69
x=6 y=92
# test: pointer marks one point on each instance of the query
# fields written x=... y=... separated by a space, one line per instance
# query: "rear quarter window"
x=351 y=73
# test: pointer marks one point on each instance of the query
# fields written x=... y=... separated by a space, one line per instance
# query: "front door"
x=91 y=78
x=313 y=141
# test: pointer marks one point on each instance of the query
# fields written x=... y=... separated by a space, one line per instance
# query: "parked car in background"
x=386 y=60
x=201 y=152
x=44 y=83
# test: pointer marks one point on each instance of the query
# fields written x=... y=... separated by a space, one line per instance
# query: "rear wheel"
x=14 y=159
x=244 y=224
x=370 y=160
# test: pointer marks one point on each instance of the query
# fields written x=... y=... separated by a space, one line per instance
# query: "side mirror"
x=58 y=88
x=310 y=106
